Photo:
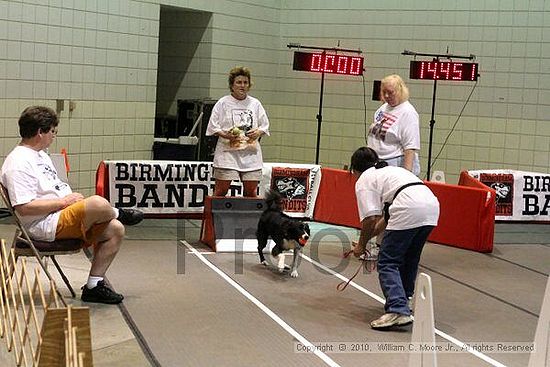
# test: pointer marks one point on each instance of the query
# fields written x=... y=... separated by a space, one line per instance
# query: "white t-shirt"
x=30 y=175
x=394 y=130
x=415 y=206
x=246 y=114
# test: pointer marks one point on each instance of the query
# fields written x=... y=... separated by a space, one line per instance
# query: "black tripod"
x=320 y=113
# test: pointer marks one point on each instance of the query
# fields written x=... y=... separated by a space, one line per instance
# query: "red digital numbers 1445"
x=444 y=70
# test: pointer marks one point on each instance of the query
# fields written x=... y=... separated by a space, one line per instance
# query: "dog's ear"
x=292 y=228
x=273 y=200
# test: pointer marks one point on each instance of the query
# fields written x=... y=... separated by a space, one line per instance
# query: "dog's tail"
x=274 y=200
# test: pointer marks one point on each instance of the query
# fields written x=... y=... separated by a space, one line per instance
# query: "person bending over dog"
x=50 y=210
x=410 y=211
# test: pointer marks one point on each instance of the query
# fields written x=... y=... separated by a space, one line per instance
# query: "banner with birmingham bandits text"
x=172 y=187
x=160 y=187
x=519 y=195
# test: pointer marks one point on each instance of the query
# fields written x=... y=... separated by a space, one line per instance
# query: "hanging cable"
x=454 y=125
x=365 y=108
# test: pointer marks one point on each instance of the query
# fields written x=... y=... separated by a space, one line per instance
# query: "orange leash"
x=364 y=262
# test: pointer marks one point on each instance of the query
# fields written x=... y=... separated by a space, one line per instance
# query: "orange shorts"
x=71 y=225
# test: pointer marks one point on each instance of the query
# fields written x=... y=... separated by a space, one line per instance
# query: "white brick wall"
x=103 y=55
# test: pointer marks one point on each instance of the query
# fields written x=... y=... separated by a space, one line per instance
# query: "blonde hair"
x=400 y=87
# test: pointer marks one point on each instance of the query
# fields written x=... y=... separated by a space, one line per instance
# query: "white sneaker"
x=391 y=319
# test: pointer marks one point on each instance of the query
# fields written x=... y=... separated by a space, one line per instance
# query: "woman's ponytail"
x=381 y=164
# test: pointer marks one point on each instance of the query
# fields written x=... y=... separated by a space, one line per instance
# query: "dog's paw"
x=294 y=274
x=264 y=263
x=281 y=270
x=281 y=262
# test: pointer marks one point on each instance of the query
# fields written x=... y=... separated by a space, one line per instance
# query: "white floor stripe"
x=262 y=307
x=382 y=300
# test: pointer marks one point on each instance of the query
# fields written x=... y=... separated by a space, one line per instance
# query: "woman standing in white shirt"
x=239 y=120
x=395 y=132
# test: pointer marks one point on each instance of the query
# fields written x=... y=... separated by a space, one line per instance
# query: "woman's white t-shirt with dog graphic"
x=245 y=114
x=29 y=175
x=414 y=206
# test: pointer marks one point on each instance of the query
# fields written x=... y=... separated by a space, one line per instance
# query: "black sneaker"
x=129 y=217
x=100 y=294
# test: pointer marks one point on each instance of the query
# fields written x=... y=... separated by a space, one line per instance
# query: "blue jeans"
x=398 y=265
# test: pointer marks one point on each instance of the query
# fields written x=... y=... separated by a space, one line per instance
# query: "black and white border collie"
x=286 y=232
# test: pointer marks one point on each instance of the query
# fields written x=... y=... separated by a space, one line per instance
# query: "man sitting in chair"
x=50 y=210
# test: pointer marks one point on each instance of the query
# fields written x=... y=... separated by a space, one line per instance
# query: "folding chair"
x=23 y=245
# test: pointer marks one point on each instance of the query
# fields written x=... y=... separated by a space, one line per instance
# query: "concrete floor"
x=197 y=308
x=113 y=342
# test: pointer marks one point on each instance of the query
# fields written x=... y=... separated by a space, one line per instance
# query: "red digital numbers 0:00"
x=438 y=70
x=328 y=63
x=339 y=64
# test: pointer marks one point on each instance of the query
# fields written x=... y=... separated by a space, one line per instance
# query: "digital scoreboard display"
x=319 y=62
x=444 y=70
